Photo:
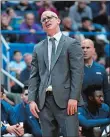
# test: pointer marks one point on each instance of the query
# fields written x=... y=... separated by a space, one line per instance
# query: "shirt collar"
x=89 y=65
x=57 y=36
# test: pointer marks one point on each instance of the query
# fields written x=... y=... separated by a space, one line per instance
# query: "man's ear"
x=59 y=21
x=90 y=98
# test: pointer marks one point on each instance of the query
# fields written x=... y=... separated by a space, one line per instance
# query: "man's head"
x=94 y=94
x=86 y=22
x=88 y=49
x=17 y=56
x=81 y=5
x=24 y=95
x=29 y=19
x=28 y=59
x=50 y=22
x=67 y=23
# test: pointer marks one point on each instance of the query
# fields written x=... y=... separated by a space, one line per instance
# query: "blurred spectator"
x=9 y=123
x=99 y=10
x=31 y=125
x=94 y=73
x=77 y=12
x=36 y=5
x=47 y=5
x=63 y=7
x=25 y=74
x=5 y=26
x=30 y=25
x=23 y=6
x=87 y=26
x=11 y=13
x=67 y=29
x=94 y=117
x=67 y=24
x=17 y=65
x=99 y=46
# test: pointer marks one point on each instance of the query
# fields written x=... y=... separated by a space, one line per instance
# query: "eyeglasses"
x=26 y=94
x=43 y=20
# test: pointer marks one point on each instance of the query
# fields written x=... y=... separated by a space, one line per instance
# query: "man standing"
x=56 y=79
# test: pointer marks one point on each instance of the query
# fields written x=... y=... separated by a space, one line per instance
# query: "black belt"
x=49 y=93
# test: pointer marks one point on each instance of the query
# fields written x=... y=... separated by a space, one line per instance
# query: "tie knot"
x=52 y=39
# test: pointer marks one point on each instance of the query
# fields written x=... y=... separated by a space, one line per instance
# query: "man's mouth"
x=48 y=25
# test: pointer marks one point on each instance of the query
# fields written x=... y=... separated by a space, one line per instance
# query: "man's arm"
x=76 y=69
x=3 y=130
x=34 y=78
x=88 y=123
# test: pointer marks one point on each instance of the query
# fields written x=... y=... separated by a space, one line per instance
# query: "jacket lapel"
x=46 y=53
x=59 y=49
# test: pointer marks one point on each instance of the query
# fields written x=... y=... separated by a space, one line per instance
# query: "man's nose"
x=85 y=49
x=102 y=99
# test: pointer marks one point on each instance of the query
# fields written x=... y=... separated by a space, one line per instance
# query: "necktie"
x=53 y=51
x=52 y=58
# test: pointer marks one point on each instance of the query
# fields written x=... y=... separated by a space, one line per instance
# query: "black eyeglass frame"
x=43 y=20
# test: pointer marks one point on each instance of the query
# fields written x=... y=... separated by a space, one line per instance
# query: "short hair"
x=25 y=15
x=85 y=19
x=24 y=88
x=16 y=51
x=89 y=91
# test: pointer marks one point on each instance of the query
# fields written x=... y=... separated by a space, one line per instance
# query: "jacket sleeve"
x=88 y=123
x=3 y=130
x=12 y=115
x=76 y=69
x=34 y=78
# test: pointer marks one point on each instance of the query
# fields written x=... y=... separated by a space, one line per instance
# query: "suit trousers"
x=55 y=121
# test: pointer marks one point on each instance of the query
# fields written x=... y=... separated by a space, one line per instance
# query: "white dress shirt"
x=57 y=39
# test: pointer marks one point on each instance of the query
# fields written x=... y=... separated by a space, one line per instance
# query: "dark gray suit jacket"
x=67 y=72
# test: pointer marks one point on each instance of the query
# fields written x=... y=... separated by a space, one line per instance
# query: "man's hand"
x=34 y=109
x=72 y=107
x=20 y=130
x=32 y=30
x=16 y=129
x=11 y=129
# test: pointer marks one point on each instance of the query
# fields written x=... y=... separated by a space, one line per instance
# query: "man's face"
x=98 y=97
x=18 y=56
x=24 y=96
x=49 y=21
x=81 y=5
x=86 y=24
x=30 y=19
x=28 y=60
x=88 y=50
